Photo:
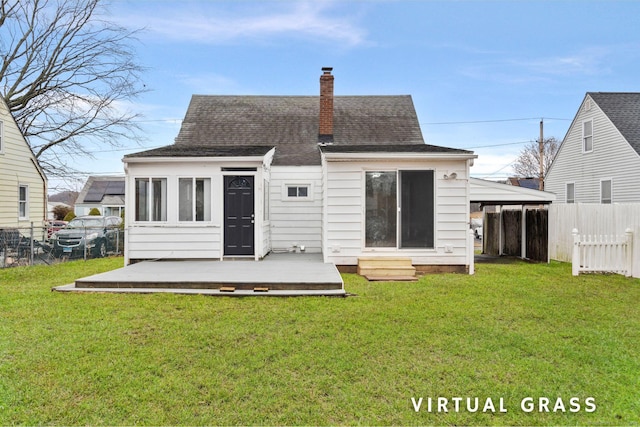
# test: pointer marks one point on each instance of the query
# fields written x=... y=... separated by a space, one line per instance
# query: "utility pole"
x=541 y=145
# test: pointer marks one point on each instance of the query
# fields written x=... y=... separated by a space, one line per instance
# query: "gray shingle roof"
x=290 y=123
x=185 y=150
x=623 y=109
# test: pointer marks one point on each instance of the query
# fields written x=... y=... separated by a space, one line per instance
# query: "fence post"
x=575 y=258
x=629 y=235
x=31 y=244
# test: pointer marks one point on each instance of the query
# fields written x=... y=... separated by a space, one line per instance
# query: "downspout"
x=44 y=195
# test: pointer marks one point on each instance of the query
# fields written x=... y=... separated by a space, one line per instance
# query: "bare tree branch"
x=527 y=165
x=67 y=76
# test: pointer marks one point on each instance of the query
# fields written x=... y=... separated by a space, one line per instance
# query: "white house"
x=599 y=158
x=105 y=193
x=23 y=184
x=345 y=176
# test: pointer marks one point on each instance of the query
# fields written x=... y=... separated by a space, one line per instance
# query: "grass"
x=510 y=332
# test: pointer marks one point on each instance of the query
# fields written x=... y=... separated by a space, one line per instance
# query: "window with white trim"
x=298 y=192
x=571 y=192
x=606 y=191
x=194 y=199
x=587 y=136
x=23 y=202
x=151 y=199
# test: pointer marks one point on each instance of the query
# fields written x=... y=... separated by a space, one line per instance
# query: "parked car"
x=53 y=226
x=478 y=232
x=100 y=234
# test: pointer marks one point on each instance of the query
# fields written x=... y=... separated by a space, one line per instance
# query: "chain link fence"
x=20 y=246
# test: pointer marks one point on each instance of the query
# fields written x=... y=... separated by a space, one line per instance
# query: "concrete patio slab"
x=278 y=274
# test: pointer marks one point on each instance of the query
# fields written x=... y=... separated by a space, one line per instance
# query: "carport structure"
x=490 y=193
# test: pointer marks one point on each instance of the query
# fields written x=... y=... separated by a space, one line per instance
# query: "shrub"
x=60 y=212
x=69 y=216
x=95 y=212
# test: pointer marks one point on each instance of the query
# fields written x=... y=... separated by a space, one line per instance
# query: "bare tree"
x=67 y=75
x=527 y=165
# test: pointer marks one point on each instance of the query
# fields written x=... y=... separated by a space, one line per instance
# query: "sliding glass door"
x=399 y=204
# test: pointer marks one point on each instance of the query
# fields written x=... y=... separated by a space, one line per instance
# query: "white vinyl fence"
x=594 y=220
x=602 y=254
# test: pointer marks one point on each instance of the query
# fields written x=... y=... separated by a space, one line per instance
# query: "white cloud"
x=204 y=23
x=514 y=70
x=586 y=62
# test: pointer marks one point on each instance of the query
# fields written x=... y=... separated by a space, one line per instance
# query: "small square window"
x=297 y=192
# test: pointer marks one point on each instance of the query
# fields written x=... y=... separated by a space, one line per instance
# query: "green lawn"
x=510 y=332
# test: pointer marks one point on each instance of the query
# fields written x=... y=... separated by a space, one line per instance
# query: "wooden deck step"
x=386 y=267
x=391 y=278
x=384 y=262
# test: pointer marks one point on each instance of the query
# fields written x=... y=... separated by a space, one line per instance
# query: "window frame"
x=297 y=198
x=584 y=137
x=208 y=200
x=23 y=202
x=149 y=181
x=608 y=201
x=566 y=192
x=399 y=207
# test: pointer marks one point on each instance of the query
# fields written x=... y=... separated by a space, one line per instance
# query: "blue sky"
x=481 y=73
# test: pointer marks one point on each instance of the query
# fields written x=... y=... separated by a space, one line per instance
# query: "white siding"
x=344 y=223
x=188 y=240
x=296 y=222
x=174 y=242
x=18 y=167
x=612 y=158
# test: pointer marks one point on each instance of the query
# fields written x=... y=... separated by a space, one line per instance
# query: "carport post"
x=500 y=237
x=523 y=232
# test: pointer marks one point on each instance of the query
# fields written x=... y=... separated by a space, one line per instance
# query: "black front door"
x=239 y=215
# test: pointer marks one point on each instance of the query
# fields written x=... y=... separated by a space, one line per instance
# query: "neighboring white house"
x=599 y=158
x=23 y=185
x=105 y=193
x=345 y=176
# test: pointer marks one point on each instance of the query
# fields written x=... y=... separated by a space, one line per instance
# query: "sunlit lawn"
x=510 y=332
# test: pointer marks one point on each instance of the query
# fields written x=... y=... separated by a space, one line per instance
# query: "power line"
x=498 y=145
x=492 y=121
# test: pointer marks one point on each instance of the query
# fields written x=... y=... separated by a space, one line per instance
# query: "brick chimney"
x=325 y=130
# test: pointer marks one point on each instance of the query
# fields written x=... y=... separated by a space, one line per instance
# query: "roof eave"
x=349 y=157
x=194 y=159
